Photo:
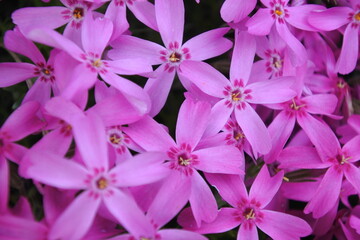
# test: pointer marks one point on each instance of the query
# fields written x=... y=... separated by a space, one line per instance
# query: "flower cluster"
x=276 y=133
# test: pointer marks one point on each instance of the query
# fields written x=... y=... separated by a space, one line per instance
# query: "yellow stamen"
x=174 y=58
x=235 y=96
x=115 y=139
x=46 y=71
x=341 y=84
x=250 y=215
x=102 y=183
x=97 y=63
x=78 y=13
x=286 y=179
x=278 y=12
x=357 y=16
x=184 y=162
x=344 y=160
x=296 y=107
x=238 y=136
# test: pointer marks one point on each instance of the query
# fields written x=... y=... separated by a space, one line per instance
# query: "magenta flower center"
x=354 y=17
x=45 y=72
x=175 y=57
x=249 y=213
x=94 y=63
x=295 y=105
x=342 y=159
x=278 y=10
x=182 y=159
x=117 y=139
x=236 y=95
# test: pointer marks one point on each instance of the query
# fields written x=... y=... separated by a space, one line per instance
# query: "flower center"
x=276 y=62
x=236 y=95
x=342 y=159
x=96 y=63
x=295 y=106
x=278 y=11
x=102 y=183
x=184 y=160
x=249 y=213
x=175 y=57
x=78 y=13
x=115 y=138
x=357 y=17
x=238 y=135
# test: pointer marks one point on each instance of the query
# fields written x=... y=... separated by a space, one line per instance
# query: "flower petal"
x=248 y=232
x=338 y=16
x=170 y=20
x=261 y=23
x=352 y=149
x=179 y=234
x=352 y=174
x=349 y=51
x=280 y=225
x=204 y=76
x=298 y=16
x=222 y=159
x=320 y=103
x=13 y=73
x=208 y=44
x=51 y=169
x=219 y=115
x=230 y=187
x=254 y=129
x=235 y=10
x=127 y=212
x=144 y=11
x=265 y=187
x=200 y=194
x=77 y=218
x=142 y=169
x=192 y=122
x=326 y=195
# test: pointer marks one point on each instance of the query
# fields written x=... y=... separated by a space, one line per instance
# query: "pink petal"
x=150 y=135
x=127 y=212
x=301 y=157
x=211 y=160
x=129 y=47
x=349 y=51
x=281 y=91
x=129 y=66
x=204 y=76
x=38 y=17
x=297 y=50
x=51 y=169
x=352 y=149
x=15 y=41
x=320 y=135
x=220 y=114
x=152 y=170
x=243 y=57
x=89 y=134
x=131 y=90
x=200 y=194
x=144 y=11
x=23 y=121
x=298 y=16
x=13 y=73
x=55 y=39
x=63 y=109
x=16 y=228
x=172 y=196
x=338 y=16
x=326 y=195
x=280 y=130
x=280 y=225
x=300 y=191
x=178 y=234
x=111 y=110
x=16 y=152
x=4 y=184
x=235 y=10
x=96 y=34
x=39 y=92
x=260 y=23
x=265 y=187
x=230 y=187
x=192 y=121
x=352 y=174
x=248 y=233
x=77 y=218
x=224 y=222
x=170 y=20
x=117 y=14
x=320 y=103
x=158 y=88
x=208 y=44
x=254 y=129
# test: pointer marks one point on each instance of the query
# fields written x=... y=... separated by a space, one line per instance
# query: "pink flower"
x=249 y=210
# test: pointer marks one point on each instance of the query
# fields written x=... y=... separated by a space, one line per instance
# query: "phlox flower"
x=338 y=161
x=184 y=159
x=340 y=16
x=100 y=184
x=279 y=13
x=249 y=209
x=72 y=14
x=91 y=62
x=170 y=21
x=236 y=95
x=17 y=72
